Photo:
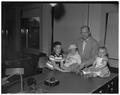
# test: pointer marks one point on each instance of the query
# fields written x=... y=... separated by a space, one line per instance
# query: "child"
x=43 y=59
x=73 y=59
x=56 y=57
x=99 y=67
x=73 y=56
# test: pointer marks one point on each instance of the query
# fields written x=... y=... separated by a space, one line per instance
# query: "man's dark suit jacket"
x=90 y=50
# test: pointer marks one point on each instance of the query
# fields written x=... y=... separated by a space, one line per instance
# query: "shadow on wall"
x=59 y=11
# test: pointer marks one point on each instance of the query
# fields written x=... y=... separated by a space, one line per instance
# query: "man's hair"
x=85 y=26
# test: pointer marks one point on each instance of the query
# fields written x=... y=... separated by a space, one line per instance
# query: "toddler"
x=73 y=59
x=99 y=67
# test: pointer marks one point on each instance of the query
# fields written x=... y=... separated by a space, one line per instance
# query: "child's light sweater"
x=72 y=59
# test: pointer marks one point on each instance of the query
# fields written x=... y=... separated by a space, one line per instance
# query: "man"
x=87 y=46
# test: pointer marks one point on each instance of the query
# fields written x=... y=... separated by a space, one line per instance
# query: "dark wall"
x=8 y=24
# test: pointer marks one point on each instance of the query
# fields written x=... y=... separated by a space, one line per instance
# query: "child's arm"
x=104 y=63
x=62 y=68
x=50 y=65
x=51 y=62
x=95 y=62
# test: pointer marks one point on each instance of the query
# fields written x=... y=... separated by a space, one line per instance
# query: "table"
x=69 y=83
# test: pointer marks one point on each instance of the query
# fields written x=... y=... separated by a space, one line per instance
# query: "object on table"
x=51 y=82
x=31 y=82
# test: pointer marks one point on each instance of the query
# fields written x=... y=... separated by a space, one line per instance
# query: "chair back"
x=13 y=71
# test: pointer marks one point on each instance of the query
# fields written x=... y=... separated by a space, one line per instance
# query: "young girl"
x=99 y=67
x=56 y=57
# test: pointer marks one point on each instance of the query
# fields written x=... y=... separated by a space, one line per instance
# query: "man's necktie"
x=83 y=47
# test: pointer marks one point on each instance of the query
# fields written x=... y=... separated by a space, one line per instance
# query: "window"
x=30 y=28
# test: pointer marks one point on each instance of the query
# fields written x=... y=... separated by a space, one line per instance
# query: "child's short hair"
x=56 y=43
x=103 y=48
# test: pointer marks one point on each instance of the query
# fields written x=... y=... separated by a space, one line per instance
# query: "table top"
x=71 y=83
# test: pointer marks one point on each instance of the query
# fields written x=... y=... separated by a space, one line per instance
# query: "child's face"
x=102 y=52
x=72 y=51
x=57 y=49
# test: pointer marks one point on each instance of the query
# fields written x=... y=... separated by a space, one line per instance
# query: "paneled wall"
x=11 y=15
x=43 y=10
x=47 y=28
x=95 y=20
x=10 y=22
x=68 y=28
x=97 y=23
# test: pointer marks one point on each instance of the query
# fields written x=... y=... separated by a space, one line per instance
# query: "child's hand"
x=50 y=65
x=62 y=64
x=64 y=56
x=92 y=69
x=82 y=66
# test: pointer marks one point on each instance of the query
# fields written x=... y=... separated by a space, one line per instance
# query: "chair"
x=43 y=59
x=15 y=71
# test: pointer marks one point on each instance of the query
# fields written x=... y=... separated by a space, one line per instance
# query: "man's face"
x=84 y=33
